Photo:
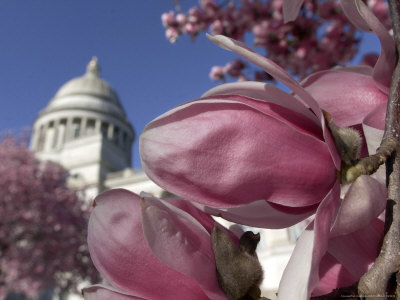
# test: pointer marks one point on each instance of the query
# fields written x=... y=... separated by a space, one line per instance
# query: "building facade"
x=85 y=129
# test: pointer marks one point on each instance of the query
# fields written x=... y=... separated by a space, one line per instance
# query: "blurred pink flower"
x=167 y=19
x=320 y=28
x=147 y=248
x=172 y=34
x=217 y=73
x=181 y=19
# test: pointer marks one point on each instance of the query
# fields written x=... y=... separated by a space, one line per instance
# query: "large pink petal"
x=119 y=251
x=301 y=274
x=240 y=154
x=364 y=202
x=360 y=15
x=347 y=96
x=267 y=92
x=349 y=257
x=291 y=9
x=283 y=112
x=104 y=292
x=182 y=243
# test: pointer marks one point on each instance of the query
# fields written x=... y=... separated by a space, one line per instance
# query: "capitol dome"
x=100 y=95
x=85 y=128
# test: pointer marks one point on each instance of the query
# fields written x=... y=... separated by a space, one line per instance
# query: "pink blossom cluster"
x=42 y=226
x=320 y=38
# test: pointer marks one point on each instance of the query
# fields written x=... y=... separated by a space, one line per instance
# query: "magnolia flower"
x=255 y=155
x=151 y=250
x=247 y=151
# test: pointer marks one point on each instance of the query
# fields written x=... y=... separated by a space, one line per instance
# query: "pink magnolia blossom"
x=147 y=248
x=256 y=155
x=248 y=151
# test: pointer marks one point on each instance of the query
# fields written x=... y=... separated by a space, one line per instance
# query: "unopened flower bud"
x=238 y=269
x=348 y=141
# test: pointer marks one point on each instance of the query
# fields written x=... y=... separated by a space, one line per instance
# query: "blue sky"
x=44 y=43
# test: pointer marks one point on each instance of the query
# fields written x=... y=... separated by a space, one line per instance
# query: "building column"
x=62 y=127
x=110 y=131
x=49 y=133
x=83 y=126
x=68 y=130
x=35 y=138
x=97 y=126
x=56 y=126
x=121 y=139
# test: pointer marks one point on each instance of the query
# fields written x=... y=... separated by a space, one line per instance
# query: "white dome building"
x=85 y=129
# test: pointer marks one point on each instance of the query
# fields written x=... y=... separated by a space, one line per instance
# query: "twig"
x=369 y=165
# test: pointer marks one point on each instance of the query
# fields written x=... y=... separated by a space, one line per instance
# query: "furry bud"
x=238 y=270
x=348 y=141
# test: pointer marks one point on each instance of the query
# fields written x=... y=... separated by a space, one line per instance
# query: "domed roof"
x=91 y=85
